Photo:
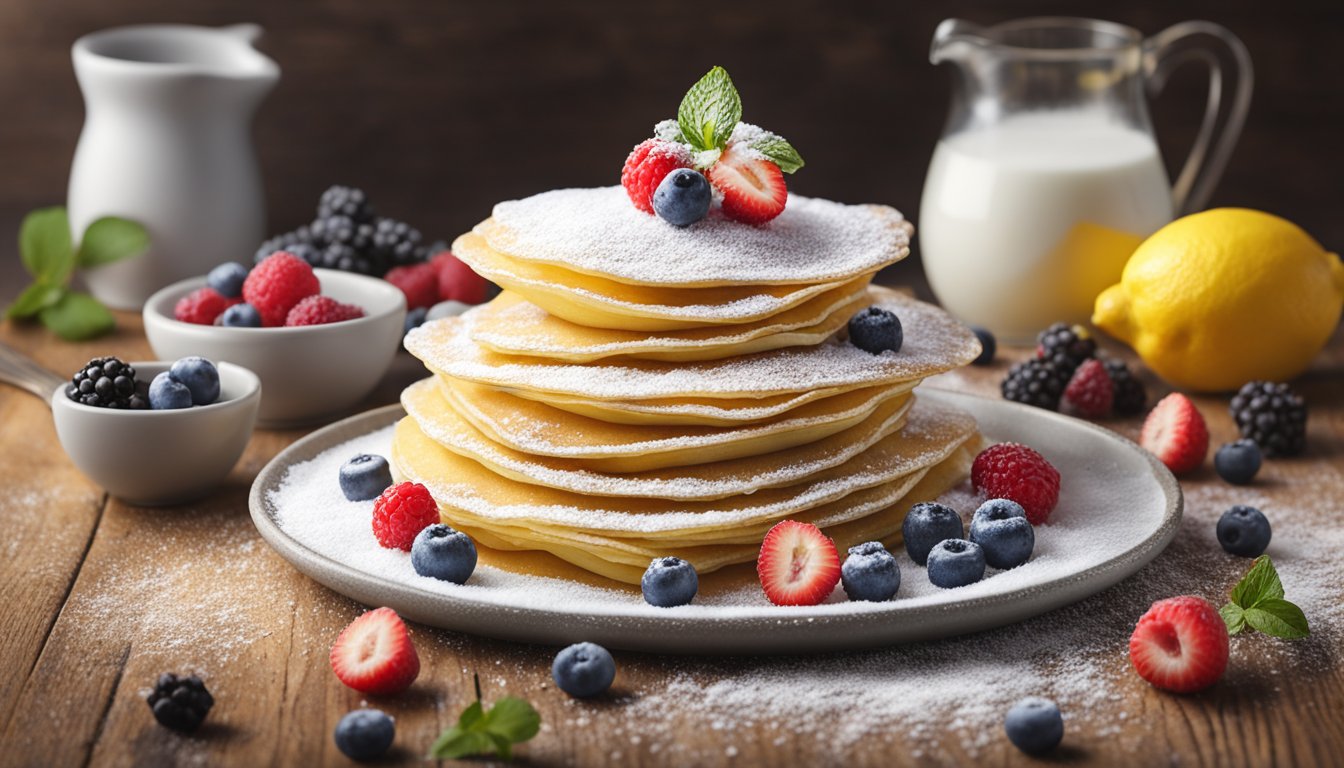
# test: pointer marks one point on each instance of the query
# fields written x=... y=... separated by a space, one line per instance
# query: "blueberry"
x=414 y=319
x=365 y=734
x=987 y=346
x=443 y=553
x=200 y=376
x=870 y=573
x=1237 y=462
x=956 y=563
x=669 y=581
x=876 y=330
x=926 y=524
x=167 y=393
x=240 y=316
x=227 y=279
x=1034 y=725
x=583 y=670
x=1243 y=531
x=365 y=476
x=1001 y=528
x=682 y=198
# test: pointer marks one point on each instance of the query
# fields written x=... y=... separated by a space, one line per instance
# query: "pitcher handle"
x=1230 y=83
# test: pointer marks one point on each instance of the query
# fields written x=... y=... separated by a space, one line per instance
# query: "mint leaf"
x=44 y=245
x=77 y=316
x=34 y=298
x=1279 y=618
x=710 y=111
x=111 y=239
x=779 y=151
x=457 y=742
x=1259 y=583
x=1233 y=617
x=480 y=732
x=513 y=718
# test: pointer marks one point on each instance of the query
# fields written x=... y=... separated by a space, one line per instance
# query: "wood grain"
x=105 y=596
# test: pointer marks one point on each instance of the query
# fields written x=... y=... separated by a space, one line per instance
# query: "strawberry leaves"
x=1257 y=601
x=493 y=731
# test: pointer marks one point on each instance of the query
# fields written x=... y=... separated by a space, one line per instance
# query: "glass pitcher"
x=1047 y=175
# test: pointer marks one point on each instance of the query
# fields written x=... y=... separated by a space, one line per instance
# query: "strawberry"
x=374 y=654
x=1175 y=433
x=1014 y=471
x=798 y=564
x=1090 y=392
x=420 y=283
x=753 y=187
x=646 y=167
x=457 y=281
x=1180 y=644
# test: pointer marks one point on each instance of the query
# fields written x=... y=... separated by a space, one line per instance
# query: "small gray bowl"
x=310 y=372
x=155 y=458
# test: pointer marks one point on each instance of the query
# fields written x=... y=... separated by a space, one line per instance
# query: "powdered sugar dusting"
x=598 y=231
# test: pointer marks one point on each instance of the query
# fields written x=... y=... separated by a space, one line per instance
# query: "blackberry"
x=345 y=201
x=398 y=243
x=334 y=229
x=308 y=252
x=180 y=703
x=1131 y=398
x=1039 y=382
x=1067 y=346
x=348 y=259
x=1273 y=416
x=106 y=382
x=285 y=242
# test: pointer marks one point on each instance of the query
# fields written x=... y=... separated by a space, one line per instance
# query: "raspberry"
x=1090 y=393
x=275 y=285
x=457 y=281
x=401 y=513
x=319 y=310
x=202 y=306
x=420 y=283
x=646 y=167
x=1014 y=471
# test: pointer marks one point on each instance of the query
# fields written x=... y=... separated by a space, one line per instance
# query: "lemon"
x=1219 y=298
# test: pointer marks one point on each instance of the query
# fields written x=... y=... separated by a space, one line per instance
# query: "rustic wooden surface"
x=101 y=597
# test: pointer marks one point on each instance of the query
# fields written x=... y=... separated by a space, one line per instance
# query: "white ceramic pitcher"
x=167 y=142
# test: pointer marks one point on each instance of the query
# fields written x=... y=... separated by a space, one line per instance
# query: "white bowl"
x=309 y=373
x=160 y=457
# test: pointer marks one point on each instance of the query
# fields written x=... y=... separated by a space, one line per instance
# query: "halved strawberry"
x=374 y=654
x=753 y=187
x=798 y=564
x=1180 y=644
x=1175 y=433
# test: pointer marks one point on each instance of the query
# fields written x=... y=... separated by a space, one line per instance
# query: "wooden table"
x=101 y=597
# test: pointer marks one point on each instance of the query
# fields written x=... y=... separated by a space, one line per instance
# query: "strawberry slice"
x=798 y=564
x=1180 y=644
x=753 y=187
x=374 y=654
x=1175 y=433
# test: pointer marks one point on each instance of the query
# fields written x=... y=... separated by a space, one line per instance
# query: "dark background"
x=440 y=109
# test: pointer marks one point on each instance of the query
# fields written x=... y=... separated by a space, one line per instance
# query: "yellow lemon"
x=1219 y=298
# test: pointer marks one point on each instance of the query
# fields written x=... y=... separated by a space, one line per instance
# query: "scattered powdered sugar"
x=598 y=231
x=934 y=342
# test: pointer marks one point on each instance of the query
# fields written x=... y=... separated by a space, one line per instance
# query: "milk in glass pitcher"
x=1047 y=175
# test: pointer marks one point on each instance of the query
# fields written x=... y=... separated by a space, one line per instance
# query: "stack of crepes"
x=640 y=390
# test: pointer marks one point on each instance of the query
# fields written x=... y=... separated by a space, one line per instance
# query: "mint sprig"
x=50 y=256
x=1257 y=601
x=707 y=118
x=487 y=732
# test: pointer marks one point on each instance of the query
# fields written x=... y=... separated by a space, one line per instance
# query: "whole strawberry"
x=1016 y=472
x=1090 y=392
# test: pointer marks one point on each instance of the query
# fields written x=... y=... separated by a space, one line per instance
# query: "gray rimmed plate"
x=1119 y=507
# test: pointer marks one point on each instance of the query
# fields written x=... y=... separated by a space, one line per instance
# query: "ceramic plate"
x=1119 y=507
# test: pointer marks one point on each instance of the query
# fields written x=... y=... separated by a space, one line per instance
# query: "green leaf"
x=779 y=151
x=34 y=299
x=1233 y=617
x=710 y=111
x=44 y=245
x=1279 y=618
x=1259 y=583
x=77 y=316
x=503 y=747
x=111 y=239
x=513 y=718
x=456 y=742
x=471 y=715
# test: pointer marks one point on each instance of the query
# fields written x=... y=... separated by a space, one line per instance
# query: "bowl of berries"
x=319 y=339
